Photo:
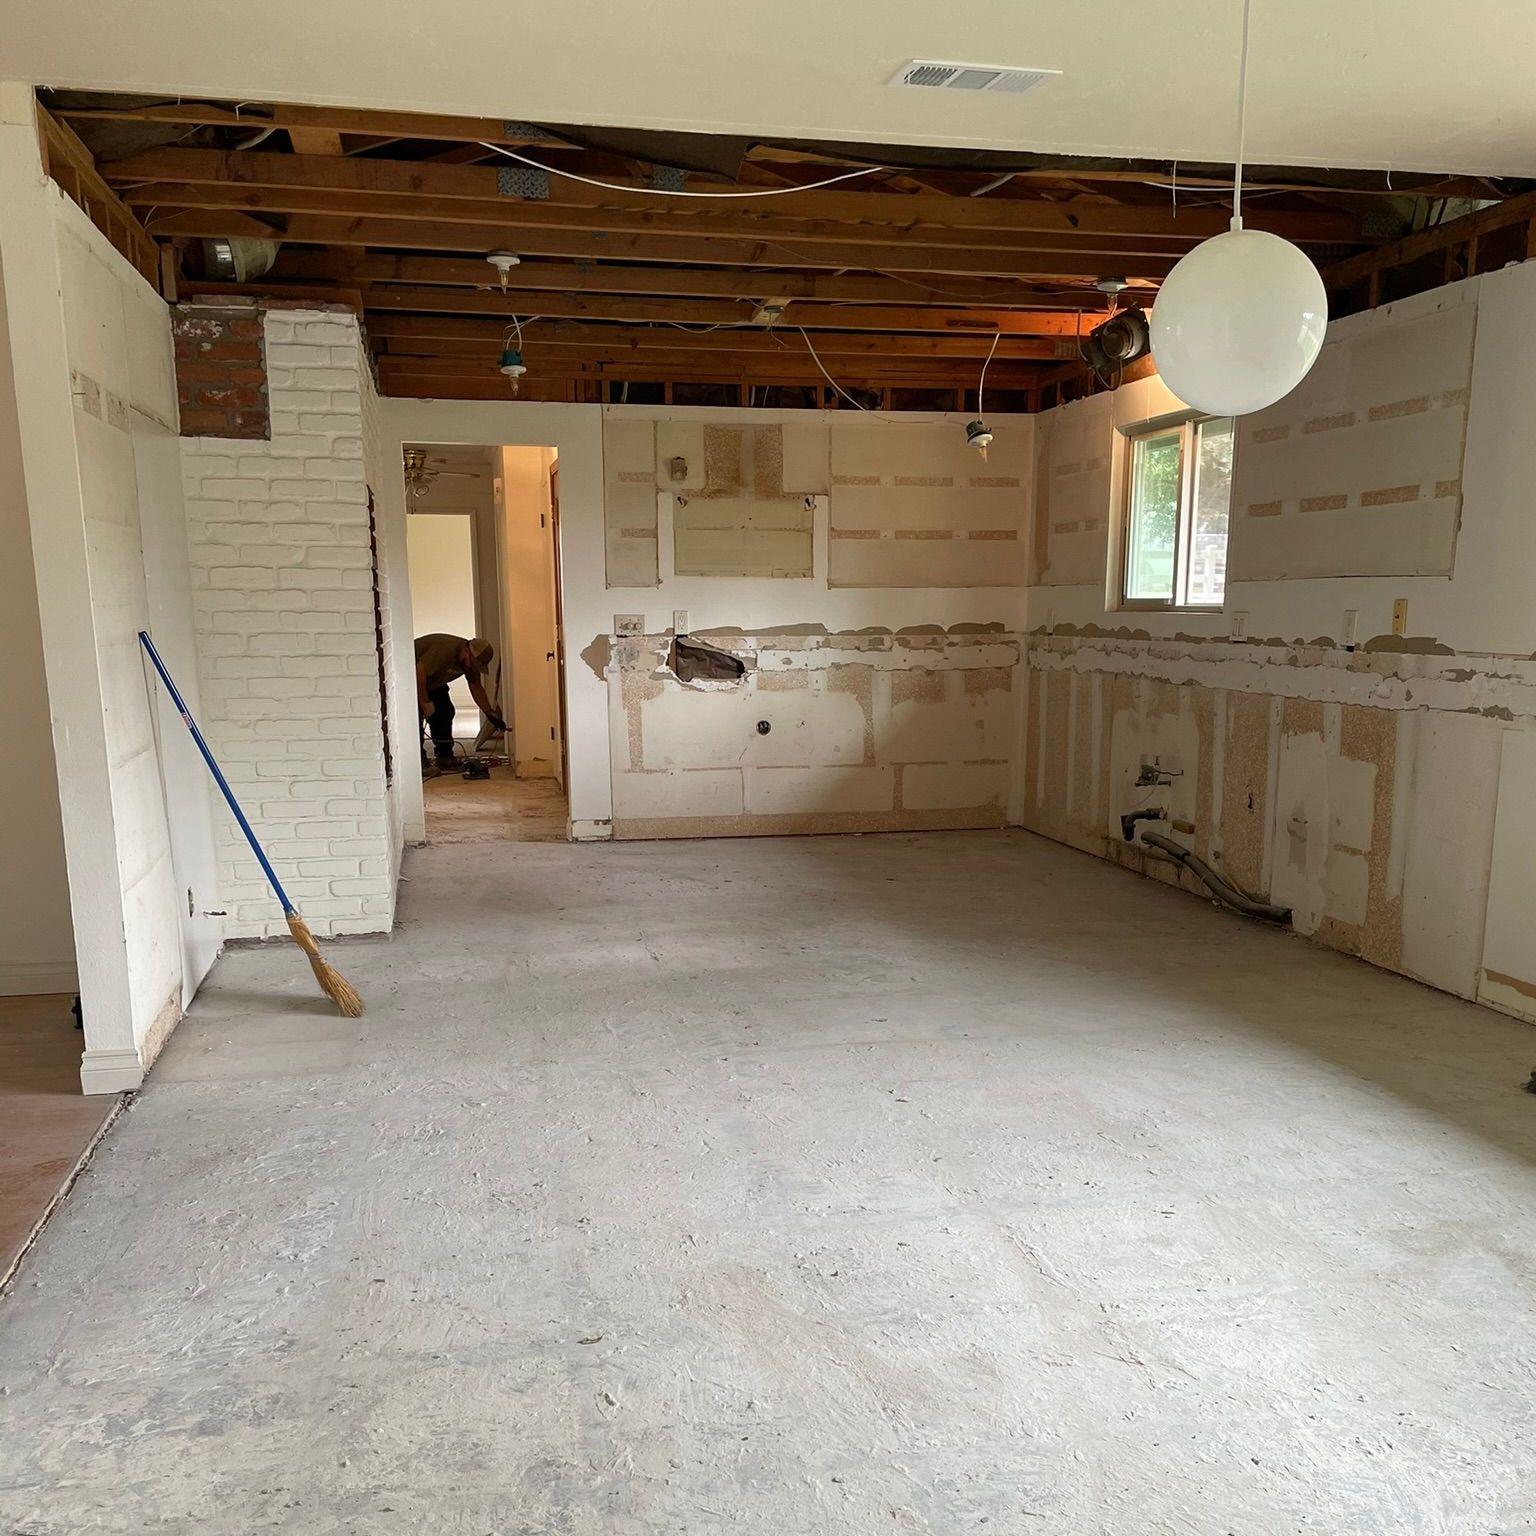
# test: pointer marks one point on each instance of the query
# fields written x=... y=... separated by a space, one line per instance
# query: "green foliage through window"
x=1179 y=499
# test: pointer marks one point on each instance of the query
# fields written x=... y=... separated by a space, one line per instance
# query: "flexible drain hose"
x=1221 y=889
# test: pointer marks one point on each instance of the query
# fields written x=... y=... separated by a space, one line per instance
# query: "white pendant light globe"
x=1238 y=322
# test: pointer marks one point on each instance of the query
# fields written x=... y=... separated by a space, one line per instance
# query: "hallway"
x=498 y=809
x=794 y=1186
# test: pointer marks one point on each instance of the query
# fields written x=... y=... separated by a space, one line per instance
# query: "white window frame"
x=1188 y=427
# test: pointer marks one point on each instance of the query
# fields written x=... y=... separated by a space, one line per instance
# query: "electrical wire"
x=1242 y=123
x=827 y=376
x=615 y=186
x=981 y=385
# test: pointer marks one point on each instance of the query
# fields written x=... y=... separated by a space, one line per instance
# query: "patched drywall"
x=1357 y=472
x=1357 y=790
x=908 y=503
x=1357 y=786
x=823 y=733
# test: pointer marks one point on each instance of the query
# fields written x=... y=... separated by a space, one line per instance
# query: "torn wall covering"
x=879 y=690
x=866 y=733
x=910 y=504
x=1384 y=792
x=1357 y=472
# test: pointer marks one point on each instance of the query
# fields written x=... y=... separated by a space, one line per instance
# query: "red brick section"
x=221 y=371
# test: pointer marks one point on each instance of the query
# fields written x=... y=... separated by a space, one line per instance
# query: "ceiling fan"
x=422 y=472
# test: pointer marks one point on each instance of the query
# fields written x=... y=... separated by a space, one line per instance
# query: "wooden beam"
x=514 y=214
x=385 y=299
x=428 y=235
x=703 y=370
x=315 y=141
x=69 y=163
x=927 y=215
x=386 y=125
x=694 y=282
x=1517 y=210
x=434 y=332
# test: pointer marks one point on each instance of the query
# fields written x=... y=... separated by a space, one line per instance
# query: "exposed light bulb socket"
x=978 y=435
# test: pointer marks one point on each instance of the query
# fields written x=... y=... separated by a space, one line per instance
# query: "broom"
x=331 y=981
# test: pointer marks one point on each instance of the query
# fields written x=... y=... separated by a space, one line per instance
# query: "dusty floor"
x=45 y=1123
x=908 y=1184
x=497 y=809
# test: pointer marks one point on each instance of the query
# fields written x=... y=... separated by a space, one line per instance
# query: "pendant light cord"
x=1242 y=123
x=981 y=385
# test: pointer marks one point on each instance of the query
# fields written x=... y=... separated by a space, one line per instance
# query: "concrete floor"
x=46 y=1124
x=904 y=1184
x=498 y=809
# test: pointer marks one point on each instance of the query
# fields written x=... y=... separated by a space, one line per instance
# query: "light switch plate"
x=679 y=621
x=1400 y=616
x=629 y=623
x=1351 y=627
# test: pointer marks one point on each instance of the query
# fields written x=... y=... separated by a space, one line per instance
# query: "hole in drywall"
x=691 y=661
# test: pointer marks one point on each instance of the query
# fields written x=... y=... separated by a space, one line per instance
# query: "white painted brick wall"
x=283 y=607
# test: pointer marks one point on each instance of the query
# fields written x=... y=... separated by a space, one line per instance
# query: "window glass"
x=1212 y=508
x=1156 y=472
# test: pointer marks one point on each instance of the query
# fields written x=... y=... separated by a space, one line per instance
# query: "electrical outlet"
x=1239 y=626
x=629 y=623
x=1400 y=616
x=1351 y=627
x=679 y=621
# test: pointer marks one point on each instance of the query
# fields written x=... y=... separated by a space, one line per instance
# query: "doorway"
x=483 y=556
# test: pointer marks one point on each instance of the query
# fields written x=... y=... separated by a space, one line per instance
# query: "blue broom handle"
x=213 y=768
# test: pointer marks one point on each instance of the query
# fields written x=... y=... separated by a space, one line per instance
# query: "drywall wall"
x=867 y=569
x=527 y=551
x=1377 y=791
x=288 y=637
x=96 y=424
x=37 y=949
x=823 y=733
x=616 y=492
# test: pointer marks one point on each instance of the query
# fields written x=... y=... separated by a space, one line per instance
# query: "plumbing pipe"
x=1220 y=888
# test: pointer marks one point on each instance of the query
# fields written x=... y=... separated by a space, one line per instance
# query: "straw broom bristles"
x=335 y=985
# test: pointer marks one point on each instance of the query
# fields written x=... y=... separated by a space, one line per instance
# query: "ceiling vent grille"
x=933 y=75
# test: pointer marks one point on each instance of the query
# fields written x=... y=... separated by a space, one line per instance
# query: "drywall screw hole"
x=763 y=727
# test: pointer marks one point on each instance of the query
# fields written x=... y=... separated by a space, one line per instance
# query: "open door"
x=559 y=653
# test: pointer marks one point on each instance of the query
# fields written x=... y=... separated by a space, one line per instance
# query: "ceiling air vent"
x=937 y=76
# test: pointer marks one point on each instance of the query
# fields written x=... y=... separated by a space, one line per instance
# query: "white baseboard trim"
x=111 y=1072
x=35 y=978
x=591 y=831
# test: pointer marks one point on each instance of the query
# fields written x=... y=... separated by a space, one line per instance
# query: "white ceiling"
x=1402 y=84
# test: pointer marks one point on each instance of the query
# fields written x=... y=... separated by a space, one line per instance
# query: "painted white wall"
x=93 y=343
x=528 y=585
x=284 y=606
x=37 y=947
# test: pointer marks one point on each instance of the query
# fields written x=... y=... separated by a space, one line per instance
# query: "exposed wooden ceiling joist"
x=902 y=276
x=387 y=299
x=452 y=333
x=598 y=245
x=366 y=185
x=765 y=280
